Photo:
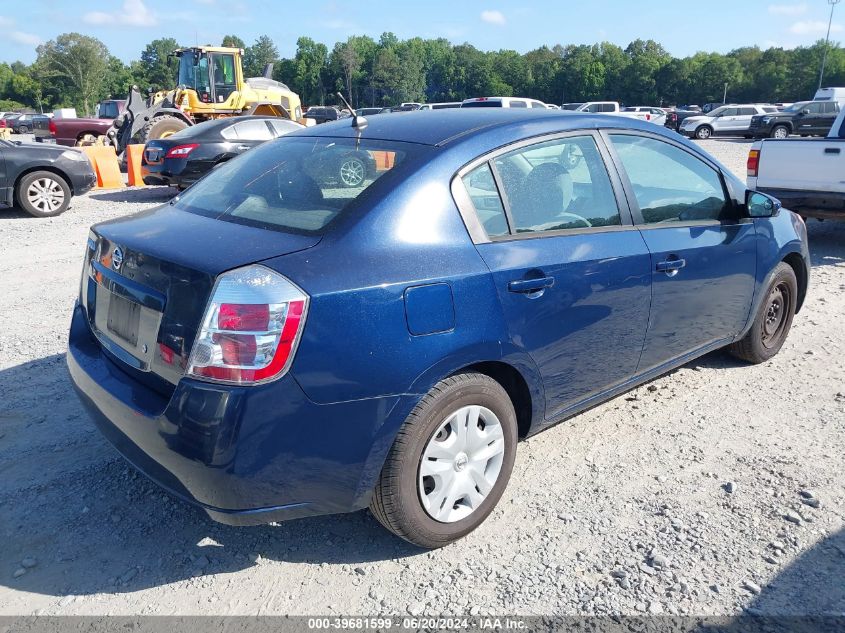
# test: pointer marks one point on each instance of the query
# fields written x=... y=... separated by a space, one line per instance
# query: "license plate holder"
x=124 y=317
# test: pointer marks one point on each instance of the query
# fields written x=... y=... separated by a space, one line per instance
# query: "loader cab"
x=211 y=74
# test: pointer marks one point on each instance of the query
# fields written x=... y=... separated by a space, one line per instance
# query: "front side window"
x=670 y=184
x=557 y=185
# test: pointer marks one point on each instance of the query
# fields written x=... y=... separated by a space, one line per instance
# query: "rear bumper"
x=246 y=455
x=816 y=204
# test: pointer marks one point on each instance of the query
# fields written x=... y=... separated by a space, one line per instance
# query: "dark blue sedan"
x=273 y=344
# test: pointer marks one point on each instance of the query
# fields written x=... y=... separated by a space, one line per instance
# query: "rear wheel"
x=773 y=320
x=23 y=130
x=352 y=171
x=161 y=127
x=450 y=462
x=43 y=194
x=780 y=131
x=703 y=133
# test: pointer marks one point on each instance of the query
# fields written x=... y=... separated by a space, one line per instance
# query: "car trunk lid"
x=148 y=278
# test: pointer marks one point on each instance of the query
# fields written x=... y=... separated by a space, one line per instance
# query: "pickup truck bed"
x=806 y=175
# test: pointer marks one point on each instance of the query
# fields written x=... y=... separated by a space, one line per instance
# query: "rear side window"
x=830 y=107
x=518 y=104
x=557 y=185
x=748 y=111
x=482 y=190
x=670 y=184
x=297 y=184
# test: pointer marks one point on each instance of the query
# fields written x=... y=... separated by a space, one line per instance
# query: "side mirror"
x=759 y=205
x=805 y=111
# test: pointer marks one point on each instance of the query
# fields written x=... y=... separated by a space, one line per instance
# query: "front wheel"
x=703 y=133
x=773 y=320
x=43 y=194
x=450 y=462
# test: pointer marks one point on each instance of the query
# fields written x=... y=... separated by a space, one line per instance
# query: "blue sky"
x=683 y=27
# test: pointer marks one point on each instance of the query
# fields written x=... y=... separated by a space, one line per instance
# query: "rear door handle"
x=527 y=286
x=243 y=148
x=671 y=266
x=831 y=150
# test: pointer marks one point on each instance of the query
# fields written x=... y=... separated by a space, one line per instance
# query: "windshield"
x=297 y=184
x=191 y=74
x=797 y=107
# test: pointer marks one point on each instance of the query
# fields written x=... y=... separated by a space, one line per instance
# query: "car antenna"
x=358 y=122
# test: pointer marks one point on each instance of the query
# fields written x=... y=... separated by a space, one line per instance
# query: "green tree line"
x=76 y=70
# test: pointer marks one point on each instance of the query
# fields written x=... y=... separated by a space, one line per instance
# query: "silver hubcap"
x=780 y=133
x=352 y=172
x=45 y=194
x=461 y=463
x=704 y=133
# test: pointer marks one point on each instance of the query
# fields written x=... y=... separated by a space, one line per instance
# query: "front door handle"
x=671 y=266
x=527 y=286
x=243 y=148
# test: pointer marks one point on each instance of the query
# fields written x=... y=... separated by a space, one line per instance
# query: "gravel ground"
x=714 y=489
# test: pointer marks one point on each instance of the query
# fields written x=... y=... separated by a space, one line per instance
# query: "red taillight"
x=52 y=127
x=238 y=316
x=753 y=163
x=254 y=339
x=181 y=151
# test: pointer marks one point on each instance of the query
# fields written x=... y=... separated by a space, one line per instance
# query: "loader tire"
x=161 y=127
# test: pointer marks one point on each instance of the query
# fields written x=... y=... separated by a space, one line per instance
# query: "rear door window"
x=557 y=185
x=747 y=111
x=518 y=104
x=670 y=184
x=253 y=130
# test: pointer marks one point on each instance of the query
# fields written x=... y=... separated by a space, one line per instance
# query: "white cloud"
x=134 y=13
x=493 y=17
x=813 y=27
x=27 y=39
x=4 y=21
x=788 y=9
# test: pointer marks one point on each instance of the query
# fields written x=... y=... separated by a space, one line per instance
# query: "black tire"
x=396 y=500
x=703 y=132
x=351 y=171
x=780 y=129
x=773 y=319
x=161 y=127
x=23 y=130
x=41 y=180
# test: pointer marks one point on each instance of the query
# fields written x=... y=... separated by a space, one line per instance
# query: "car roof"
x=440 y=127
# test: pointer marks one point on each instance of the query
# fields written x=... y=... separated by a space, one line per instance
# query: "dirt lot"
x=714 y=489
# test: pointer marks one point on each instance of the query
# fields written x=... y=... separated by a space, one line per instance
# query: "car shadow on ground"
x=93 y=524
x=134 y=194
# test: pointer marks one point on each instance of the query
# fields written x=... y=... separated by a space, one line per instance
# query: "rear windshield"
x=296 y=184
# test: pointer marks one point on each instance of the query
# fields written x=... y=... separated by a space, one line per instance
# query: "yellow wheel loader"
x=210 y=85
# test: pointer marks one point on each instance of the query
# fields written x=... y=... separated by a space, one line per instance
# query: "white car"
x=729 y=120
x=656 y=115
x=502 y=102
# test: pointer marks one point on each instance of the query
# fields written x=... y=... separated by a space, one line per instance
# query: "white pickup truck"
x=608 y=107
x=806 y=174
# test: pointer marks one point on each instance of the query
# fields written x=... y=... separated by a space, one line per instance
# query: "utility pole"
x=725 y=94
x=832 y=4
